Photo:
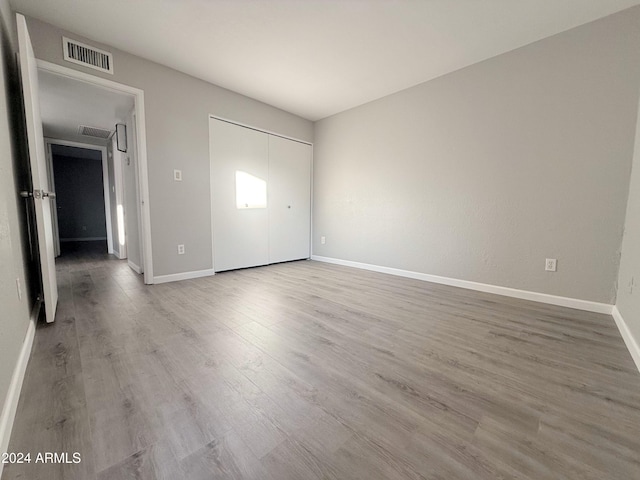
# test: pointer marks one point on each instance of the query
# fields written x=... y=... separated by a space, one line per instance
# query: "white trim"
x=627 y=336
x=481 y=287
x=68 y=143
x=53 y=201
x=251 y=127
x=141 y=141
x=311 y=203
x=213 y=227
x=118 y=183
x=175 y=277
x=134 y=267
x=107 y=200
x=145 y=215
x=83 y=239
x=10 y=406
x=134 y=125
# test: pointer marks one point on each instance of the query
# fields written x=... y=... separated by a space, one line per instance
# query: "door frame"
x=121 y=222
x=258 y=129
x=136 y=268
x=53 y=200
x=141 y=140
x=48 y=141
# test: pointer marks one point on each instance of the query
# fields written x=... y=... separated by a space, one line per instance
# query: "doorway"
x=94 y=173
x=81 y=208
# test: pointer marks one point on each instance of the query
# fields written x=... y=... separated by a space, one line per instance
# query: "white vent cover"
x=76 y=52
x=94 y=132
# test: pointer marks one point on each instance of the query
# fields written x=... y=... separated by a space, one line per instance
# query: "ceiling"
x=65 y=104
x=316 y=58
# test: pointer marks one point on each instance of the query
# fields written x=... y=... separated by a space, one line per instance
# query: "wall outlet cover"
x=177 y=175
x=180 y=249
x=550 y=264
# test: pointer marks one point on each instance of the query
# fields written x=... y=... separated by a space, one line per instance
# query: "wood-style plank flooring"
x=312 y=371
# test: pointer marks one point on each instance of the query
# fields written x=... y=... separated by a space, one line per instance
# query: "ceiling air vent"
x=76 y=52
x=94 y=132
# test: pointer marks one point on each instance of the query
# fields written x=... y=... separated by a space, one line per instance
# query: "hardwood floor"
x=307 y=370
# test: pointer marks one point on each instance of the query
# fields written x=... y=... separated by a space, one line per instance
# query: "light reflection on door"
x=251 y=191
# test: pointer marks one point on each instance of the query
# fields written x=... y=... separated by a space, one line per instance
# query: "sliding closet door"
x=239 y=174
x=289 y=199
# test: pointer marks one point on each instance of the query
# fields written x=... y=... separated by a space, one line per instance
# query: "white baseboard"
x=174 y=277
x=481 y=287
x=83 y=239
x=10 y=405
x=134 y=267
x=627 y=336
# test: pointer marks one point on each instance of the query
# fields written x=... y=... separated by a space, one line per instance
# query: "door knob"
x=39 y=194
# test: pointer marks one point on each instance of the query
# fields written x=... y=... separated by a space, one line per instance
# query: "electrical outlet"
x=550 y=264
x=177 y=175
x=180 y=249
x=323 y=240
x=19 y=289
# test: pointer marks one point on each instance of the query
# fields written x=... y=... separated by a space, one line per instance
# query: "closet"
x=260 y=197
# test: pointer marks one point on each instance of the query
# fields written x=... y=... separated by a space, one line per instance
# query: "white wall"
x=177 y=109
x=483 y=173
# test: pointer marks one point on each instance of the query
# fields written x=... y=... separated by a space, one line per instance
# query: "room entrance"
x=91 y=150
x=79 y=177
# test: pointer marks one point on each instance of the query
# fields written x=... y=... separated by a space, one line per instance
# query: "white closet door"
x=239 y=174
x=289 y=199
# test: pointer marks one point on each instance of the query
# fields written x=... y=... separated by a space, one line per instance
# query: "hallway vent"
x=94 y=132
x=76 y=52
